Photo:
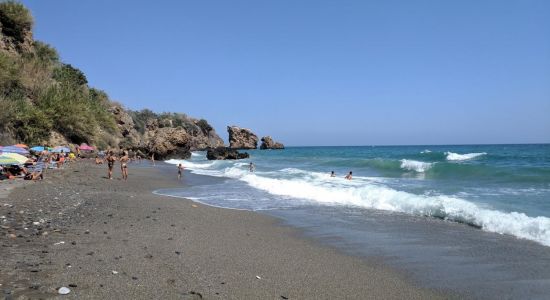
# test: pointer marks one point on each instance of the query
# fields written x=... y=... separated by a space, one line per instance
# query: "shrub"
x=98 y=103
x=72 y=117
x=67 y=74
x=45 y=53
x=140 y=118
x=16 y=20
x=204 y=126
x=30 y=124
x=9 y=75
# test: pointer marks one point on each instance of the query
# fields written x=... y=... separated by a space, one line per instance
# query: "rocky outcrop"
x=13 y=46
x=131 y=138
x=241 y=138
x=166 y=143
x=269 y=143
x=225 y=153
x=203 y=136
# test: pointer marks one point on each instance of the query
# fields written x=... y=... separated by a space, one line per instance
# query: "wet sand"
x=111 y=239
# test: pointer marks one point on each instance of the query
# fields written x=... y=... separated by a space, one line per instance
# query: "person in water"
x=180 y=170
x=110 y=163
x=348 y=177
x=332 y=174
x=124 y=165
x=252 y=167
x=153 y=158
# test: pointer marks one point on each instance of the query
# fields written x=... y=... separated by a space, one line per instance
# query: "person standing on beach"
x=348 y=177
x=110 y=163
x=180 y=170
x=124 y=165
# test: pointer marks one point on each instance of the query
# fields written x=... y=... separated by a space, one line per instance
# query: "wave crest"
x=417 y=166
x=467 y=156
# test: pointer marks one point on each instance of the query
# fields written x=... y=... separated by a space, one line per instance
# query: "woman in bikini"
x=110 y=163
x=124 y=165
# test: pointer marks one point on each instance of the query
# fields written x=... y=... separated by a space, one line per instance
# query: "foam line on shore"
x=361 y=192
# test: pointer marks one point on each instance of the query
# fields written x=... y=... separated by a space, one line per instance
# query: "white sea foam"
x=425 y=151
x=456 y=156
x=383 y=198
x=417 y=166
x=192 y=165
x=319 y=188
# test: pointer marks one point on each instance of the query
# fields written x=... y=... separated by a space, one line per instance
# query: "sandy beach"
x=111 y=239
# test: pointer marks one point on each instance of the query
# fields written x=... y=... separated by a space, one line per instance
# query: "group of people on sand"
x=111 y=158
x=35 y=166
x=348 y=177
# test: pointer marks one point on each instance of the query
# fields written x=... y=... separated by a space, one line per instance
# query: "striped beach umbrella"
x=6 y=160
x=18 y=157
x=14 y=149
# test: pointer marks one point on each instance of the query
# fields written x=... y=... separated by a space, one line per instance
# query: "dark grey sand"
x=111 y=239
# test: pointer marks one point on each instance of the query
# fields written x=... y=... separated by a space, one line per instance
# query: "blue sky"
x=320 y=72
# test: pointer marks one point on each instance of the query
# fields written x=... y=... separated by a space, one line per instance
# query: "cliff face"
x=241 y=138
x=199 y=134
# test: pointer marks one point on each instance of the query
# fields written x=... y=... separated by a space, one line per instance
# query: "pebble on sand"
x=63 y=290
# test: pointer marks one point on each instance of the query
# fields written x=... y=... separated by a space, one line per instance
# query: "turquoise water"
x=498 y=188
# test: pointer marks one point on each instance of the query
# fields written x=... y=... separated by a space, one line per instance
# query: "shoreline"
x=163 y=247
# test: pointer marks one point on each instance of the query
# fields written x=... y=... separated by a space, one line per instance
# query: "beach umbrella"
x=38 y=148
x=13 y=149
x=85 y=147
x=6 y=160
x=18 y=157
x=61 y=149
x=22 y=146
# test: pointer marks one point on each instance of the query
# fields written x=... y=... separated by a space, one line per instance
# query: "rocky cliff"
x=241 y=138
x=269 y=143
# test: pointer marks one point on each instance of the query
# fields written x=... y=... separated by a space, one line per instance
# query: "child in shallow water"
x=180 y=170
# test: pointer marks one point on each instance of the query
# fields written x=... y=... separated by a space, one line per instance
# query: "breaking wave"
x=320 y=188
x=417 y=166
x=467 y=156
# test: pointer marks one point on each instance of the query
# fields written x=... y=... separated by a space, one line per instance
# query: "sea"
x=469 y=219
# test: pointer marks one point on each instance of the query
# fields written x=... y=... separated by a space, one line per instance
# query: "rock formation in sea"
x=225 y=153
x=269 y=143
x=241 y=138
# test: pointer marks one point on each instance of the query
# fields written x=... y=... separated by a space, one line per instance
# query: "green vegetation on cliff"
x=44 y=101
x=40 y=95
